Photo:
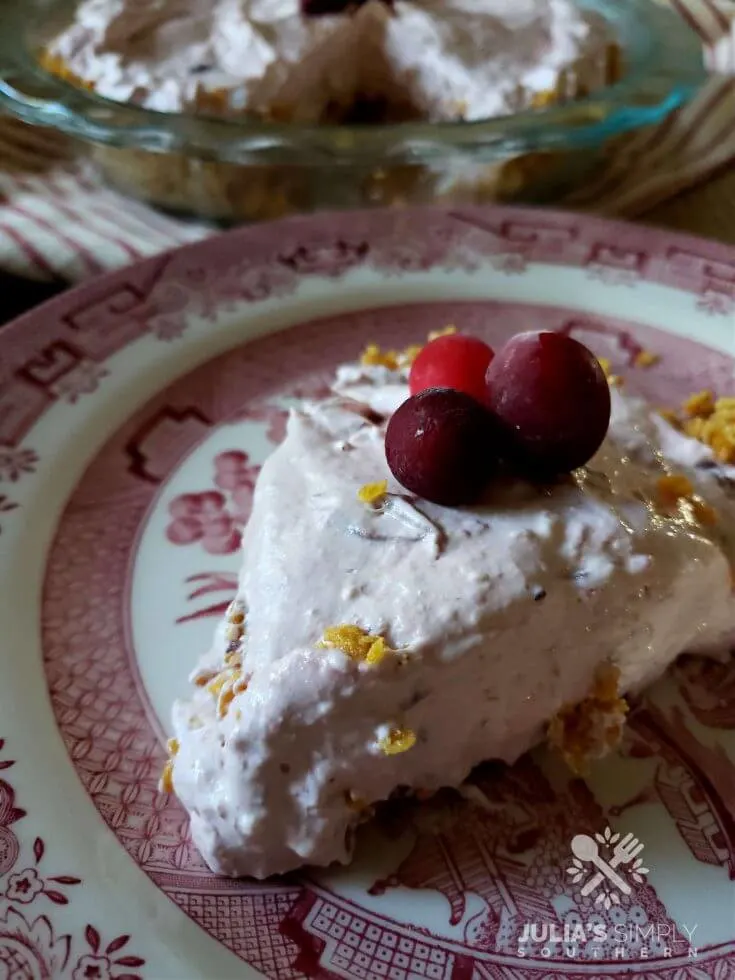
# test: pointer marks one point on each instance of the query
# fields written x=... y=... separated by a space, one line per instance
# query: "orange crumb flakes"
x=204 y=677
x=704 y=513
x=233 y=632
x=444 y=332
x=725 y=408
x=670 y=416
x=226 y=686
x=55 y=65
x=701 y=404
x=356 y=642
x=236 y=615
x=614 y=380
x=166 y=783
x=409 y=354
x=372 y=356
x=646 y=359
x=216 y=685
x=225 y=699
x=355 y=801
x=722 y=440
x=372 y=493
x=229 y=684
x=607 y=679
x=694 y=428
x=671 y=489
x=588 y=730
x=711 y=421
x=376 y=652
x=544 y=98
x=172 y=746
x=675 y=496
x=397 y=740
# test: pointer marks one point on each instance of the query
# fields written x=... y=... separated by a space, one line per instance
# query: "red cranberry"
x=552 y=398
x=452 y=361
x=440 y=445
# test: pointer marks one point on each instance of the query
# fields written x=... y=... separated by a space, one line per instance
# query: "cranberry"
x=452 y=361
x=440 y=445
x=552 y=398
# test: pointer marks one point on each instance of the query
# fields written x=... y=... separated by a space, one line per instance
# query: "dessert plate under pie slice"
x=134 y=415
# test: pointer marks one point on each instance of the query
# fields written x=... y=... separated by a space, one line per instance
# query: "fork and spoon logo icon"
x=622 y=852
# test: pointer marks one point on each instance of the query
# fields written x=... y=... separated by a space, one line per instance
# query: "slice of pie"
x=380 y=642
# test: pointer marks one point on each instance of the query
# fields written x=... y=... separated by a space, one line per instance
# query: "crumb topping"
x=397 y=740
x=215 y=686
x=675 y=497
x=395 y=360
x=444 y=332
x=409 y=354
x=614 y=380
x=229 y=681
x=671 y=489
x=233 y=632
x=357 y=643
x=166 y=783
x=355 y=802
x=699 y=405
x=544 y=99
x=226 y=686
x=593 y=727
x=202 y=677
x=373 y=493
x=712 y=421
x=56 y=65
x=646 y=359
x=373 y=356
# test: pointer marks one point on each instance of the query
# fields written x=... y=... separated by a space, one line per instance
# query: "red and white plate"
x=134 y=415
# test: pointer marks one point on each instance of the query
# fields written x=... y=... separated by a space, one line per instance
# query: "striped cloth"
x=57 y=221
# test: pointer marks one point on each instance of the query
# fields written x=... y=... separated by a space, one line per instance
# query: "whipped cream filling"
x=433 y=59
x=499 y=614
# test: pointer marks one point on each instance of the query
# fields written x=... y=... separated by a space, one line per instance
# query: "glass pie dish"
x=236 y=168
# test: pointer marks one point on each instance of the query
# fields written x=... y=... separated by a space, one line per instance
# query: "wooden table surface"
x=707 y=210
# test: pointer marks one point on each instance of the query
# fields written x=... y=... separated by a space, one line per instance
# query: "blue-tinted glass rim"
x=662 y=55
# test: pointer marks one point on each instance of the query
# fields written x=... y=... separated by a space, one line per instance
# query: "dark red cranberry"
x=551 y=396
x=441 y=445
x=452 y=361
